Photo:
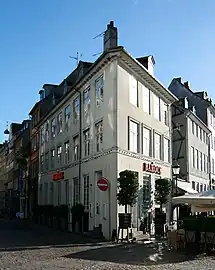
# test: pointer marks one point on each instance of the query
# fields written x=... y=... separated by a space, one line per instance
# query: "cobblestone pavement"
x=31 y=247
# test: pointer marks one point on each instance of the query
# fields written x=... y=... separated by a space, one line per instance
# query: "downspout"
x=209 y=159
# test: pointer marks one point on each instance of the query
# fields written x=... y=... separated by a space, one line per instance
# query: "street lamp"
x=176 y=172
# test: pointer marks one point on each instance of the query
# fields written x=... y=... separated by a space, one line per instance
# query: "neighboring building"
x=3 y=173
x=205 y=110
x=17 y=179
x=125 y=124
x=190 y=147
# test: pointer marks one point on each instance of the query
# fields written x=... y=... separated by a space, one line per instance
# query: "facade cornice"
x=112 y=150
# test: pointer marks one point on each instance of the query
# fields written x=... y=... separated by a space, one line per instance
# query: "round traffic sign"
x=102 y=184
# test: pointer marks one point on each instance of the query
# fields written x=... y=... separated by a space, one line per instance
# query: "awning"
x=186 y=187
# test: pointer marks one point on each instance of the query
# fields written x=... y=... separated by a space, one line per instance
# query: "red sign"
x=151 y=168
x=58 y=176
x=102 y=184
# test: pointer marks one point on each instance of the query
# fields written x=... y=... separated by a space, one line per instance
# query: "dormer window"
x=65 y=87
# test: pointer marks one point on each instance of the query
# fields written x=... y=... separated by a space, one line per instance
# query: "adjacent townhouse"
x=190 y=147
x=205 y=110
x=115 y=116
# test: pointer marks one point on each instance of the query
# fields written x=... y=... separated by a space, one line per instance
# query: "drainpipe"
x=209 y=160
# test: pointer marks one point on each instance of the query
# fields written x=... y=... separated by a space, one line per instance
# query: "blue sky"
x=37 y=38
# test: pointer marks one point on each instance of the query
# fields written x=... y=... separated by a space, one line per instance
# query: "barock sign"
x=58 y=176
x=147 y=167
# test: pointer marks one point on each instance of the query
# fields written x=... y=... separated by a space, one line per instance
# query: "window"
x=133 y=143
x=212 y=145
x=207 y=164
x=133 y=91
x=197 y=130
x=157 y=145
x=146 y=142
x=66 y=192
x=47 y=161
x=41 y=163
x=47 y=131
x=53 y=127
x=67 y=117
x=42 y=135
x=87 y=100
x=59 y=154
x=193 y=157
x=204 y=162
x=197 y=187
x=146 y=192
x=76 y=110
x=59 y=192
x=76 y=196
x=86 y=192
x=165 y=114
x=193 y=128
x=193 y=185
x=212 y=165
x=205 y=187
x=59 y=123
x=201 y=187
x=99 y=90
x=52 y=157
x=67 y=154
x=99 y=136
x=146 y=99
x=86 y=143
x=200 y=161
x=157 y=107
x=197 y=159
x=166 y=149
x=76 y=147
x=200 y=131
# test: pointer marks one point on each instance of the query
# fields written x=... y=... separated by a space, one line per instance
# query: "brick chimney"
x=110 y=37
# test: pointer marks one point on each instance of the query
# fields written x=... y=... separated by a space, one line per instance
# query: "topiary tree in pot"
x=126 y=196
x=162 y=191
x=77 y=211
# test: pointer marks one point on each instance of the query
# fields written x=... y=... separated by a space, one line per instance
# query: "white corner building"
x=125 y=125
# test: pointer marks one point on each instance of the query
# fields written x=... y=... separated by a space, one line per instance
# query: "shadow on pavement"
x=132 y=254
x=21 y=235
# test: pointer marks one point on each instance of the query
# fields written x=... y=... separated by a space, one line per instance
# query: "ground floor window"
x=59 y=193
x=76 y=197
x=86 y=192
x=66 y=182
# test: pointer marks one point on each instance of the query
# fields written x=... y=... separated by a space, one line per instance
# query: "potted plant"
x=162 y=191
x=77 y=217
x=126 y=196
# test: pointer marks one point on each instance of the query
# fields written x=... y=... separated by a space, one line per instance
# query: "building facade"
x=3 y=173
x=190 y=147
x=205 y=110
x=115 y=117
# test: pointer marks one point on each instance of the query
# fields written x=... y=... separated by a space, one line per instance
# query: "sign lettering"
x=151 y=168
x=58 y=176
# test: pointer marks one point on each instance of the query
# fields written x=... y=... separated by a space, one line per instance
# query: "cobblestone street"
x=25 y=246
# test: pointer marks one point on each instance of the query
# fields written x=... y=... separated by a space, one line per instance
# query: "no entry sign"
x=102 y=184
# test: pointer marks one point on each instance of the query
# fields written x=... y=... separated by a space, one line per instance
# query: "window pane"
x=157 y=146
x=157 y=107
x=166 y=149
x=133 y=136
x=146 y=142
x=146 y=99
x=133 y=91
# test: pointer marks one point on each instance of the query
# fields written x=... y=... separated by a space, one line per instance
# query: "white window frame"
x=193 y=160
x=76 y=190
x=76 y=147
x=86 y=134
x=53 y=127
x=86 y=100
x=99 y=86
x=134 y=136
x=133 y=91
x=158 y=157
x=157 y=104
x=60 y=123
x=76 y=110
x=67 y=113
x=146 y=141
x=59 y=154
x=99 y=136
x=86 y=197
x=52 y=158
x=166 y=155
x=47 y=131
x=146 y=98
x=67 y=152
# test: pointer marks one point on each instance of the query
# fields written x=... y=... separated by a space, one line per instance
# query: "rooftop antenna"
x=98 y=36
x=77 y=57
x=6 y=132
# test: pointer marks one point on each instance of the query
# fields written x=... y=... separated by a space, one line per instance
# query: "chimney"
x=148 y=62
x=187 y=84
x=110 y=37
x=42 y=94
